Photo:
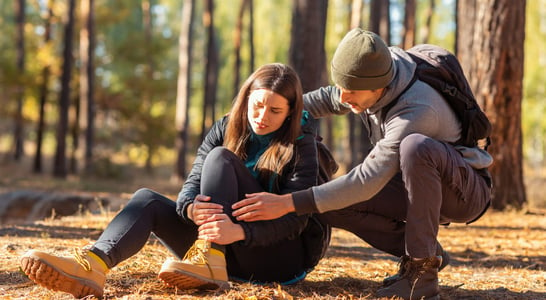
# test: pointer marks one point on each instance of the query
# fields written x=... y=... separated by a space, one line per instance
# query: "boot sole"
x=51 y=278
x=186 y=281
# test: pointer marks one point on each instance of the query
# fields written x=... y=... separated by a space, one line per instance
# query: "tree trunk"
x=74 y=129
x=356 y=14
x=211 y=73
x=350 y=159
x=18 y=139
x=59 y=167
x=425 y=31
x=457 y=29
x=491 y=48
x=307 y=54
x=408 y=39
x=251 y=33
x=46 y=71
x=380 y=24
x=237 y=41
x=183 y=90
x=87 y=79
x=358 y=142
x=147 y=14
x=380 y=19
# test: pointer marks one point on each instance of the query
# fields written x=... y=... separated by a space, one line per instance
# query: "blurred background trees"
x=88 y=87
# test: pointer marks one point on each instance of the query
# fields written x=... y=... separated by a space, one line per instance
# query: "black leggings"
x=226 y=179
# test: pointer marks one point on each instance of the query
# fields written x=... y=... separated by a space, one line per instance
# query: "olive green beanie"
x=362 y=61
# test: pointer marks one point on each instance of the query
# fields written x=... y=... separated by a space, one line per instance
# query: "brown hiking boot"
x=419 y=281
x=401 y=264
x=81 y=275
x=201 y=268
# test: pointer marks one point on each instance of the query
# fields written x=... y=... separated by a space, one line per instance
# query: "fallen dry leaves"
x=501 y=256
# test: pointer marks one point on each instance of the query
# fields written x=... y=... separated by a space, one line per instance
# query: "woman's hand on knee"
x=221 y=230
x=202 y=209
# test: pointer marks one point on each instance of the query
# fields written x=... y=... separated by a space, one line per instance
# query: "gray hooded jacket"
x=420 y=109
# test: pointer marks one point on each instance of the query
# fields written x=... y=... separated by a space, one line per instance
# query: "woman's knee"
x=218 y=154
x=144 y=196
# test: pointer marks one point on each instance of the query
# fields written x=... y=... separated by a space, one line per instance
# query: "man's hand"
x=201 y=209
x=263 y=206
x=221 y=230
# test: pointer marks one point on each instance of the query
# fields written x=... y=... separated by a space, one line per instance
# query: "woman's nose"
x=262 y=114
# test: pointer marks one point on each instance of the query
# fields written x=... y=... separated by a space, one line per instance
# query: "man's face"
x=359 y=100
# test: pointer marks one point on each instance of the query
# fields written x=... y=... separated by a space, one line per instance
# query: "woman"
x=261 y=145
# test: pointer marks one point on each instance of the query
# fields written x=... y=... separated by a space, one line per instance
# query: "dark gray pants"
x=435 y=186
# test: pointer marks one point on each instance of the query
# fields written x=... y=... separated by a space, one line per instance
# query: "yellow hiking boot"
x=81 y=275
x=201 y=268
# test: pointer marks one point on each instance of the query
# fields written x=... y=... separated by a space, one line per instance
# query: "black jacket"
x=302 y=173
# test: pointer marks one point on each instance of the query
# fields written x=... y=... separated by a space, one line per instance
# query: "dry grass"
x=502 y=256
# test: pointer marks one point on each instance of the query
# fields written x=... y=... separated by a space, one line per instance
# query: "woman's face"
x=267 y=111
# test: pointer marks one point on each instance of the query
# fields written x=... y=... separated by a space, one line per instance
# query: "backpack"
x=442 y=71
x=327 y=163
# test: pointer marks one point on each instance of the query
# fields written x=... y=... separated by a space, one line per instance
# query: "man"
x=414 y=178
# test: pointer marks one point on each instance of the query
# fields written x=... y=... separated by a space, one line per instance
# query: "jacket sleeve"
x=323 y=102
x=383 y=162
x=302 y=174
x=191 y=187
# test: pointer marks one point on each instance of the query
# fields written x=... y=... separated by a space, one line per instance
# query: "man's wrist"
x=303 y=202
x=289 y=204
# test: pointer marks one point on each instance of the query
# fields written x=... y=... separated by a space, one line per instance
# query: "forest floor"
x=501 y=256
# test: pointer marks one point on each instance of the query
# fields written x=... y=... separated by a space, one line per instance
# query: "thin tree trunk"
x=425 y=32
x=307 y=54
x=251 y=33
x=237 y=41
x=491 y=49
x=354 y=127
x=87 y=79
x=211 y=75
x=147 y=95
x=18 y=133
x=380 y=19
x=358 y=135
x=409 y=25
x=356 y=14
x=46 y=71
x=59 y=167
x=74 y=129
x=183 y=90
x=457 y=30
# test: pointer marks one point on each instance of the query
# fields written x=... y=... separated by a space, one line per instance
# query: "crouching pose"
x=263 y=144
x=416 y=177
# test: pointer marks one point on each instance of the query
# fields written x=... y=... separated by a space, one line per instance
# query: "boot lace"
x=198 y=255
x=415 y=269
x=80 y=256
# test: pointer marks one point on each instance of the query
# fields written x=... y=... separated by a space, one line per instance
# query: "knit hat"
x=362 y=61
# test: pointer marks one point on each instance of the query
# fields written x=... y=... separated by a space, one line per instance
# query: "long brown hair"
x=284 y=81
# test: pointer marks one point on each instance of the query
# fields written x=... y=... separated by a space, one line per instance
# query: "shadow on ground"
x=41 y=231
